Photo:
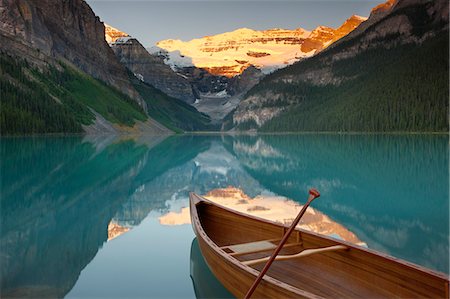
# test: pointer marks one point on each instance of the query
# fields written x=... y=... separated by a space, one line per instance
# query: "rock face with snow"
x=213 y=94
x=229 y=54
x=149 y=68
x=45 y=31
x=213 y=73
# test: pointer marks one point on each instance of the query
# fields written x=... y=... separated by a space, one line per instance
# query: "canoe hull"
x=355 y=272
x=237 y=280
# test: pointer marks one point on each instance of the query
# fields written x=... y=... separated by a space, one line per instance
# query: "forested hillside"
x=62 y=100
x=59 y=75
x=389 y=75
x=57 y=101
x=401 y=89
x=172 y=113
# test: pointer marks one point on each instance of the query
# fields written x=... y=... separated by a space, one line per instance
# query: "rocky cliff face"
x=211 y=93
x=219 y=95
x=200 y=72
x=45 y=31
x=390 y=25
x=267 y=50
x=151 y=68
x=398 y=21
x=323 y=36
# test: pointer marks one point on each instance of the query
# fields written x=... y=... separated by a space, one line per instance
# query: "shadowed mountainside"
x=389 y=74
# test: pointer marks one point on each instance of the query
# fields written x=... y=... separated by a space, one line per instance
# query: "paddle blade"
x=314 y=193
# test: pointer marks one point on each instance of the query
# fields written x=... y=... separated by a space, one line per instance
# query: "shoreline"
x=216 y=133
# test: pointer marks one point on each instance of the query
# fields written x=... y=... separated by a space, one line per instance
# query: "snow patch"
x=221 y=94
x=123 y=40
x=181 y=75
x=155 y=50
x=359 y=18
x=139 y=76
x=175 y=60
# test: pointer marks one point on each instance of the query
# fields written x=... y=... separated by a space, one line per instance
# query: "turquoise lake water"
x=63 y=197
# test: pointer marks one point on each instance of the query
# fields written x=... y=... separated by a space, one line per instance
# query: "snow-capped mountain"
x=214 y=72
x=212 y=94
x=113 y=34
x=230 y=53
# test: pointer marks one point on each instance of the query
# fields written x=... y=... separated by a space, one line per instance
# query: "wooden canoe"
x=231 y=242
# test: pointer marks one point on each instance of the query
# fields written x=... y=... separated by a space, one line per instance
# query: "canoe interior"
x=352 y=273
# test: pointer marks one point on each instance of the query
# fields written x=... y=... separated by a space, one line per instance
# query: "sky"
x=153 y=20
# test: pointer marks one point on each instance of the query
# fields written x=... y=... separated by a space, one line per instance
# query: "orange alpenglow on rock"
x=115 y=230
x=384 y=6
x=113 y=34
x=230 y=53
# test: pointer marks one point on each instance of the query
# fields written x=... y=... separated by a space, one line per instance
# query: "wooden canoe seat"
x=254 y=247
x=251 y=247
x=303 y=253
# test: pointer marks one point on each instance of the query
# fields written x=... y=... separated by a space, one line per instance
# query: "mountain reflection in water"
x=391 y=190
x=63 y=198
x=274 y=208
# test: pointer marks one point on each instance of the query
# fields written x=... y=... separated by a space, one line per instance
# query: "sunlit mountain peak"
x=384 y=6
x=113 y=34
x=230 y=53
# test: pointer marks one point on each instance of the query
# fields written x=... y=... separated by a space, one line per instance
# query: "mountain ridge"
x=150 y=68
x=60 y=66
x=335 y=90
x=229 y=53
x=214 y=95
x=59 y=75
x=43 y=32
x=216 y=89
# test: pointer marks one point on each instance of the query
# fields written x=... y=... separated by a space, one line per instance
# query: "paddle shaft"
x=313 y=194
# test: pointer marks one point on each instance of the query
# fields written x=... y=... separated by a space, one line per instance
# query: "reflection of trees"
x=58 y=196
x=392 y=190
x=205 y=165
x=150 y=191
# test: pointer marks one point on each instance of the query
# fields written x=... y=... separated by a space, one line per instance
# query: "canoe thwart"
x=303 y=253
x=251 y=247
x=254 y=247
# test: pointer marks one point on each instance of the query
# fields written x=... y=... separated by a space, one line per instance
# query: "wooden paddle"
x=313 y=194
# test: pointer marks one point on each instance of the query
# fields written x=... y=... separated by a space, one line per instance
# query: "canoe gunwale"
x=197 y=199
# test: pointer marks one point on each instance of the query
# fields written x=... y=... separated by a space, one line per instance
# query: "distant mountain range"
x=62 y=70
x=214 y=94
x=213 y=73
x=229 y=54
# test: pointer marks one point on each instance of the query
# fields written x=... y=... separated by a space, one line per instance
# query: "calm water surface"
x=81 y=217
